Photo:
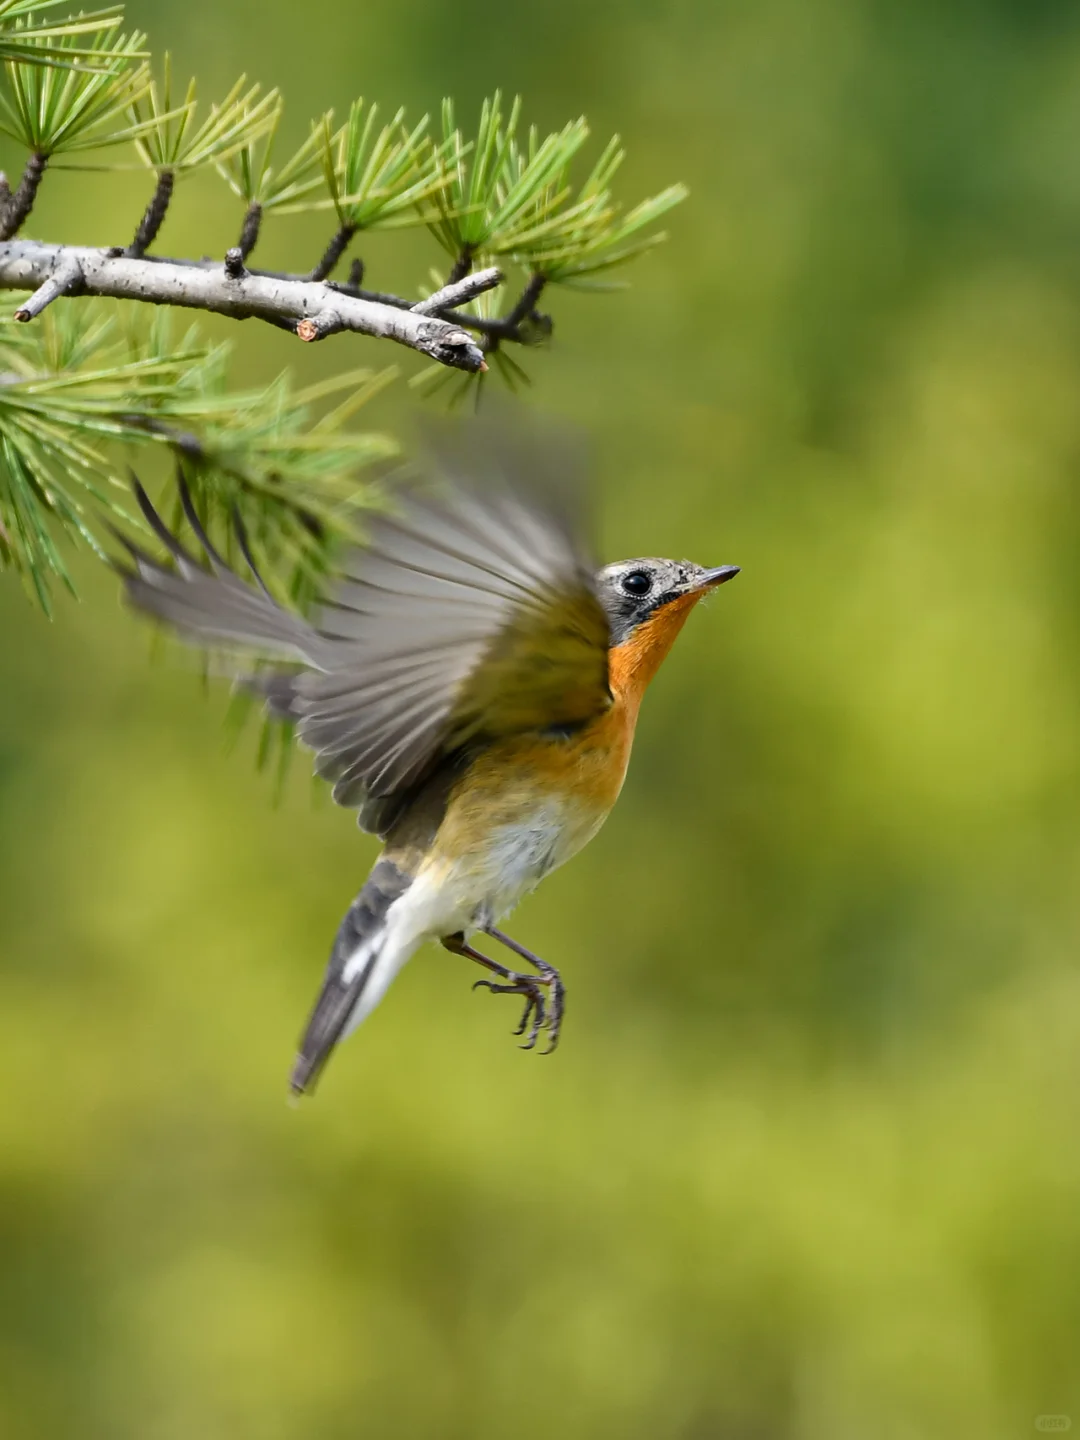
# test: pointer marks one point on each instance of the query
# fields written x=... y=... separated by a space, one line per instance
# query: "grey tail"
x=360 y=930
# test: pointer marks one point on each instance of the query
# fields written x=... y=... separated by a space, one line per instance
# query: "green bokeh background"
x=806 y=1166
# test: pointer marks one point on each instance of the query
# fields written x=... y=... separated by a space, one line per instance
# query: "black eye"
x=637 y=583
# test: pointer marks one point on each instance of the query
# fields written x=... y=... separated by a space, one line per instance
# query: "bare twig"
x=495 y=328
x=459 y=293
x=500 y=327
x=327 y=322
x=28 y=264
x=153 y=215
x=22 y=202
x=66 y=279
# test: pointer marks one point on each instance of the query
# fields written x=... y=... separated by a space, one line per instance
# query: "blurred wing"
x=468 y=617
x=208 y=603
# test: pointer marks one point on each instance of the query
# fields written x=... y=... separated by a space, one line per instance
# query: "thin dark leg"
x=548 y=975
x=530 y=986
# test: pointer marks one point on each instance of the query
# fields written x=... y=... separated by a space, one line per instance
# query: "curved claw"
x=534 y=1004
x=555 y=1013
x=536 y=999
x=544 y=994
x=520 y=1029
x=534 y=1033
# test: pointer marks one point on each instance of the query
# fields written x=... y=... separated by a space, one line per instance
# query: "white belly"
x=469 y=892
x=477 y=889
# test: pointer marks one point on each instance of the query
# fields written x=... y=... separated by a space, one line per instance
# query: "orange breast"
x=517 y=775
x=590 y=764
x=633 y=664
x=512 y=779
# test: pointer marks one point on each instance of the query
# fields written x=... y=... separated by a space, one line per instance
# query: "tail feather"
x=353 y=974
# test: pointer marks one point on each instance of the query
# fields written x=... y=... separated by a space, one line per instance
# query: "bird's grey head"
x=633 y=590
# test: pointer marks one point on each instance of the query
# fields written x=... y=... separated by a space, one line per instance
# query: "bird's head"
x=647 y=602
x=634 y=591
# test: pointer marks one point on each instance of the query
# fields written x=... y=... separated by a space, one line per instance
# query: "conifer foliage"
x=88 y=375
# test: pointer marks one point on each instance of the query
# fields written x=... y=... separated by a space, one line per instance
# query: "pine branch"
x=457 y=292
x=69 y=392
x=310 y=309
x=66 y=279
x=523 y=325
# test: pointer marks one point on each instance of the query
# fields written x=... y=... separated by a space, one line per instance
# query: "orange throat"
x=633 y=664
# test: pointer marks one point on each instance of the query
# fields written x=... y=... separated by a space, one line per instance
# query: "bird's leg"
x=548 y=976
x=516 y=984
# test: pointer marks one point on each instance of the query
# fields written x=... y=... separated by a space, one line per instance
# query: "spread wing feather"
x=209 y=603
x=472 y=616
x=468 y=616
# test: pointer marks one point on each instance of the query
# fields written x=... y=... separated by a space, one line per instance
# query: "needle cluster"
x=79 y=386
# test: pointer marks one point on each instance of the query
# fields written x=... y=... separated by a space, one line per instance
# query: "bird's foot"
x=544 y=993
x=556 y=996
x=543 y=1004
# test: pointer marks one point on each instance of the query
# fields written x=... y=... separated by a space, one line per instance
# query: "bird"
x=470 y=683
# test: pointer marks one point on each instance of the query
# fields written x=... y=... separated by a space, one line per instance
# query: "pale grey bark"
x=460 y=293
x=311 y=309
x=66 y=279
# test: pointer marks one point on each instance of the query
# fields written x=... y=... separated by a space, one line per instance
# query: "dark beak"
x=722 y=573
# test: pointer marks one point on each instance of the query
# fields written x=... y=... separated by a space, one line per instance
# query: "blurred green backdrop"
x=806 y=1166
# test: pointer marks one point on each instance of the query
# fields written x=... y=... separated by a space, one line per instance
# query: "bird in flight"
x=470 y=685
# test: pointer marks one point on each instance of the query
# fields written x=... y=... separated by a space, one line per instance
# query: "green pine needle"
x=378 y=177
x=54 y=111
x=608 y=245
x=281 y=458
x=497 y=194
x=516 y=202
x=168 y=139
x=89 y=385
x=27 y=39
x=250 y=174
